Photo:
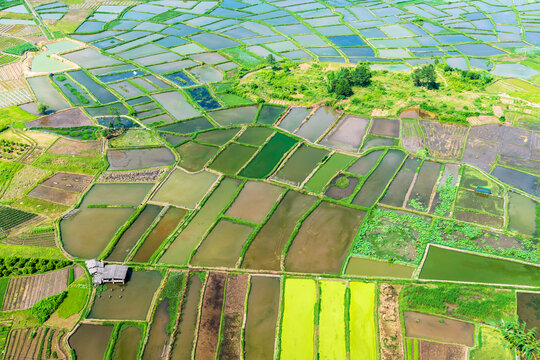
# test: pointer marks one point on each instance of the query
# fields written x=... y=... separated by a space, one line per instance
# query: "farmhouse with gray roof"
x=102 y=273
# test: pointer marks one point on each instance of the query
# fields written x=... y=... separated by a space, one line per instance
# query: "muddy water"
x=265 y=250
x=139 y=158
x=297 y=168
x=262 y=312
x=385 y=127
x=163 y=229
x=223 y=246
x=395 y=195
x=527 y=309
x=335 y=192
x=127 y=345
x=209 y=325
x=323 y=240
x=294 y=118
x=317 y=124
x=82 y=238
x=437 y=328
x=348 y=134
x=375 y=184
x=255 y=201
x=158 y=338
x=90 y=341
x=522 y=212
x=255 y=135
x=234 y=116
x=232 y=158
x=130 y=237
x=180 y=250
x=130 y=301
x=365 y=163
x=185 y=334
x=216 y=137
x=423 y=187
x=367 y=267
x=116 y=194
x=193 y=156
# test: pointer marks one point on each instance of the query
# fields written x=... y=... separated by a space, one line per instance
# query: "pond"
x=347 y=135
x=294 y=118
x=522 y=214
x=317 y=124
x=130 y=301
x=45 y=62
x=47 y=94
x=375 y=268
x=451 y=265
x=90 y=341
x=128 y=343
x=235 y=116
x=139 y=158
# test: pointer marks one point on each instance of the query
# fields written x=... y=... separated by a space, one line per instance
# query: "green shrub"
x=44 y=308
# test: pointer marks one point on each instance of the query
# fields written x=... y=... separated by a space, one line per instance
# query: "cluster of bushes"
x=44 y=308
x=9 y=146
x=15 y=266
x=76 y=92
x=480 y=77
x=425 y=76
x=20 y=49
x=341 y=82
x=467 y=302
x=80 y=132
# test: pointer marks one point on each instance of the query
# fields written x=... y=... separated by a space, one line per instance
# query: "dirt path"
x=390 y=323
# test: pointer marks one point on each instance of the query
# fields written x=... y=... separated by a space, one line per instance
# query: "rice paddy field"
x=281 y=179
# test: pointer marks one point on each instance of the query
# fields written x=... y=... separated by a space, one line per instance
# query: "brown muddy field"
x=437 y=328
x=265 y=250
x=431 y=350
x=481 y=153
x=65 y=146
x=54 y=195
x=67 y=181
x=323 y=240
x=255 y=201
x=391 y=341
x=444 y=141
x=385 y=127
x=235 y=297
x=208 y=337
x=483 y=219
x=147 y=175
x=23 y=345
x=68 y=118
x=262 y=313
x=528 y=305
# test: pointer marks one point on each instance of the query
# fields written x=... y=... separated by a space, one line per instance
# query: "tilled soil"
x=432 y=350
x=390 y=323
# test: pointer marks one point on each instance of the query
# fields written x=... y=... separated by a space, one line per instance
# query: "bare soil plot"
x=431 y=350
x=24 y=291
x=438 y=328
x=67 y=181
x=23 y=181
x=255 y=201
x=385 y=127
x=231 y=333
x=411 y=135
x=54 y=195
x=147 y=175
x=65 y=146
x=391 y=341
x=482 y=120
x=67 y=118
x=481 y=153
x=444 y=141
x=324 y=239
x=209 y=324
x=133 y=159
x=347 y=135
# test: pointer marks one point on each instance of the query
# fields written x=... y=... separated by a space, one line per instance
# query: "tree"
x=522 y=340
x=425 y=76
x=271 y=59
x=343 y=88
x=42 y=108
x=361 y=76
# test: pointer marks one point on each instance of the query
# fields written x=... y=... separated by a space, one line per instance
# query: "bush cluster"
x=14 y=266
x=340 y=82
x=44 y=308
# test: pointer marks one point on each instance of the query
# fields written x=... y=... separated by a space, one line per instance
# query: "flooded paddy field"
x=269 y=114
x=232 y=158
x=231 y=346
x=312 y=250
x=90 y=341
x=326 y=172
x=300 y=164
x=347 y=135
x=385 y=127
x=294 y=118
x=426 y=326
x=193 y=156
x=340 y=192
x=128 y=343
x=127 y=302
x=255 y=136
x=216 y=137
x=316 y=124
x=254 y=201
x=527 y=308
x=375 y=268
x=262 y=164
x=397 y=191
x=235 y=116
x=66 y=118
x=139 y=158
x=423 y=186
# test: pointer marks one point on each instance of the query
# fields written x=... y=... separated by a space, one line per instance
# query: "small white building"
x=102 y=273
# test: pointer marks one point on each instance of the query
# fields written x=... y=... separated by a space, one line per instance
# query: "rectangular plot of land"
x=347 y=135
x=423 y=186
x=385 y=127
x=323 y=240
x=184 y=189
x=262 y=164
x=209 y=324
x=437 y=328
x=261 y=318
x=24 y=291
x=362 y=321
x=332 y=320
x=265 y=251
x=54 y=195
x=318 y=181
x=396 y=193
x=255 y=201
x=176 y=105
x=235 y=298
x=300 y=165
x=470 y=200
x=297 y=326
x=232 y=158
x=444 y=140
x=67 y=181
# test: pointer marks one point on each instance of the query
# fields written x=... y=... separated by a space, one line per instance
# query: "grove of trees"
x=341 y=82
